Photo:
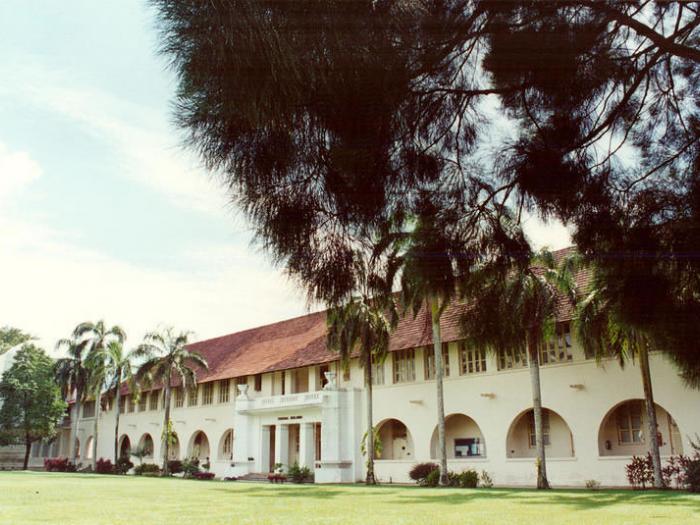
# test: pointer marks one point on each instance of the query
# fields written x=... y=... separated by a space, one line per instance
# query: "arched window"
x=226 y=447
x=397 y=442
x=463 y=438
x=146 y=444
x=558 y=440
x=623 y=431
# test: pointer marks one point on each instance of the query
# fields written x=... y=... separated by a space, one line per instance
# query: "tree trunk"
x=117 y=412
x=369 y=443
x=533 y=363
x=96 y=426
x=165 y=437
x=27 y=450
x=437 y=351
x=652 y=427
x=74 y=429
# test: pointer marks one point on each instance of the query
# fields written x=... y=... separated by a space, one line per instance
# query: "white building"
x=275 y=394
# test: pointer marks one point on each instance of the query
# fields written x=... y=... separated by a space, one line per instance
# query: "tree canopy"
x=11 y=337
x=30 y=400
x=330 y=120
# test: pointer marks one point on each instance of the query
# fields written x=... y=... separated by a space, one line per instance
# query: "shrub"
x=58 y=465
x=432 y=479
x=146 y=469
x=276 y=478
x=469 y=479
x=692 y=475
x=640 y=472
x=104 y=466
x=203 y=475
x=123 y=465
x=174 y=466
x=300 y=474
x=485 y=480
x=421 y=471
x=592 y=484
x=190 y=467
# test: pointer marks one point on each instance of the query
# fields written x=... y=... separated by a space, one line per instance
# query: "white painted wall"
x=580 y=395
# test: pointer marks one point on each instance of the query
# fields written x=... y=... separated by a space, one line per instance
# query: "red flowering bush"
x=58 y=465
x=203 y=475
x=276 y=478
x=104 y=466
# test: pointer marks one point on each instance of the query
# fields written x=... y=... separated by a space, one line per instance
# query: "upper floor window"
x=224 y=390
x=153 y=404
x=142 y=402
x=89 y=409
x=179 y=397
x=471 y=361
x=131 y=405
x=558 y=348
x=629 y=421
x=192 y=397
x=207 y=393
x=258 y=382
x=404 y=366
x=377 y=371
x=429 y=361
x=512 y=359
x=545 y=428
x=122 y=404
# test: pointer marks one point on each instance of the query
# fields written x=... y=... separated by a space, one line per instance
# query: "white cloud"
x=17 y=170
x=552 y=234
x=49 y=283
x=148 y=148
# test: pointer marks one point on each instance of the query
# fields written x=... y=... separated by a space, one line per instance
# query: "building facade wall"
x=580 y=395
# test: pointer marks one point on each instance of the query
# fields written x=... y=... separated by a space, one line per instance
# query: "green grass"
x=34 y=497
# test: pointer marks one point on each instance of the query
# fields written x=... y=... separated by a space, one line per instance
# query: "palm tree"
x=362 y=326
x=429 y=280
x=72 y=377
x=119 y=369
x=167 y=357
x=604 y=332
x=97 y=337
x=527 y=297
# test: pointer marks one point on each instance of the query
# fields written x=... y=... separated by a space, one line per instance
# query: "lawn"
x=34 y=497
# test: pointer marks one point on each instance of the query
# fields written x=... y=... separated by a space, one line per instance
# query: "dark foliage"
x=123 y=465
x=146 y=469
x=203 y=475
x=174 y=466
x=58 y=465
x=692 y=475
x=190 y=467
x=104 y=466
x=420 y=471
x=330 y=132
x=300 y=474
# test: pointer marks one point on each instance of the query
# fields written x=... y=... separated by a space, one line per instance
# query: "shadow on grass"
x=578 y=499
x=313 y=492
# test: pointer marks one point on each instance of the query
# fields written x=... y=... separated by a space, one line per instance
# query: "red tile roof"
x=301 y=341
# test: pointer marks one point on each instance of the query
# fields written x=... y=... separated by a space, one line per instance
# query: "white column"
x=263 y=464
x=282 y=444
x=307 y=446
x=314 y=379
x=290 y=386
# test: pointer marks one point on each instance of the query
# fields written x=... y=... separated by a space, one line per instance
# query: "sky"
x=103 y=213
